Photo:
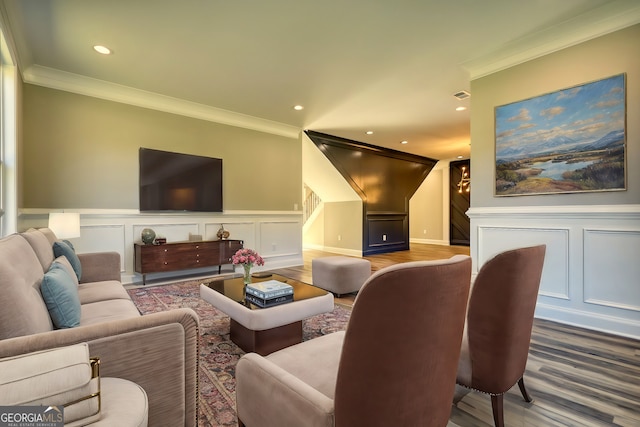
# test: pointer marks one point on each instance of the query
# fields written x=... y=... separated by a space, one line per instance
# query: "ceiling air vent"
x=463 y=94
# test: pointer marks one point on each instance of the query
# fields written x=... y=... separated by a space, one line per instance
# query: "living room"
x=77 y=141
x=66 y=135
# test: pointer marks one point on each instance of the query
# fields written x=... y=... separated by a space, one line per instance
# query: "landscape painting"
x=568 y=141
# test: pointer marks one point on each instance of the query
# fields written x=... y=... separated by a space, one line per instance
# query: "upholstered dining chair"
x=497 y=334
x=394 y=365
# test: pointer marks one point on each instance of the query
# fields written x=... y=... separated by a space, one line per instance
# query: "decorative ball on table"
x=247 y=258
x=148 y=235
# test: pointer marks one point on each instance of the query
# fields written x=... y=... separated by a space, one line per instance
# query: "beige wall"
x=426 y=208
x=313 y=230
x=606 y=56
x=82 y=152
x=343 y=225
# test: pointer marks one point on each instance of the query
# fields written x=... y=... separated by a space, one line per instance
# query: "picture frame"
x=569 y=141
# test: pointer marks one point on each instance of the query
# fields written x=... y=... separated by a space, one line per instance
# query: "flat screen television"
x=179 y=182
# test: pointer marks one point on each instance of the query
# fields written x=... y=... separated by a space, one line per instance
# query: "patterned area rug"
x=218 y=355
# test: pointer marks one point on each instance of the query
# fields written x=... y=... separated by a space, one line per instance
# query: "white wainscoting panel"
x=280 y=238
x=591 y=276
x=277 y=240
x=612 y=278
x=555 y=274
x=276 y=235
x=102 y=238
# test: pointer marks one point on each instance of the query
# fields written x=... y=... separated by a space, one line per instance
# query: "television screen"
x=179 y=182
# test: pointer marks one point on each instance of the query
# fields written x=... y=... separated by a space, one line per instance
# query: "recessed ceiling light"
x=459 y=157
x=404 y=142
x=298 y=107
x=369 y=132
x=461 y=108
x=102 y=49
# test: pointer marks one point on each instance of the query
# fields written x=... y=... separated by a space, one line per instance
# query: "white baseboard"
x=430 y=242
x=340 y=251
x=593 y=321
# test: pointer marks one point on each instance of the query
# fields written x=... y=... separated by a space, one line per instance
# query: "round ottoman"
x=340 y=274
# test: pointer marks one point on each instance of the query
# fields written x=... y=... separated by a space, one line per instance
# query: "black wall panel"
x=385 y=180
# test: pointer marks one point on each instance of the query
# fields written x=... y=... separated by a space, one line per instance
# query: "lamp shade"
x=65 y=225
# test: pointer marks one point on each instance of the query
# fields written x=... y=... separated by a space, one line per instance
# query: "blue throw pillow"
x=70 y=244
x=60 y=294
x=60 y=248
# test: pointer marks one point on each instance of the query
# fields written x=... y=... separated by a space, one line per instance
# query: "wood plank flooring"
x=577 y=377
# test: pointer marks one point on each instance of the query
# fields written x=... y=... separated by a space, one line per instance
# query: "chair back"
x=500 y=318
x=401 y=347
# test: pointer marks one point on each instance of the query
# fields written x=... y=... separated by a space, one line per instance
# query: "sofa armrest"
x=291 y=401
x=158 y=351
x=100 y=266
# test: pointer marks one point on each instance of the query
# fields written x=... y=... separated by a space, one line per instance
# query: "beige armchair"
x=394 y=365
x=495 y=345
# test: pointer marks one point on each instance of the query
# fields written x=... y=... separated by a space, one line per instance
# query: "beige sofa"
x=157 y=351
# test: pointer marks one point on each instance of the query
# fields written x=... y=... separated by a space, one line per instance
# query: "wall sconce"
x=465 y=181
x=65 y=225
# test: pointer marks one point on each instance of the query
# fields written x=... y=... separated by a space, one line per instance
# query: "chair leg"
x=498 y=410
x=527 y=397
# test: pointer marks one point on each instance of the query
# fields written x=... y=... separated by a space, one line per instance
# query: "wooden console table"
x=183 y=255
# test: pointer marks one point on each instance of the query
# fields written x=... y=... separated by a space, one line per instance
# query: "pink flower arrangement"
x=247 y=257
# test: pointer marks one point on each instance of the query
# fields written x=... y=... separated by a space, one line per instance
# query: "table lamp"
x=65 y=225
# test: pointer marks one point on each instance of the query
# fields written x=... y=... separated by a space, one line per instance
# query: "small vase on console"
x=222 y=233
x=148 y=236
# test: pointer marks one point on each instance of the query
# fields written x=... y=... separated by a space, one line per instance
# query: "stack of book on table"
x=269 y=293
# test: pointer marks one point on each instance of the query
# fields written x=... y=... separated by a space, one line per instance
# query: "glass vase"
x=247 y=274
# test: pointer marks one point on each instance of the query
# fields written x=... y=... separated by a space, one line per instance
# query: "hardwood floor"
x=576 y=377
x=417 y=252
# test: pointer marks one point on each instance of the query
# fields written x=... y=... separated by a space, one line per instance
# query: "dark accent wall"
x=385 y=180
x=459 y=224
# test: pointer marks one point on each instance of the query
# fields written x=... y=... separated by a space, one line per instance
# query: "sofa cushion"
x=66 y=266
x=60 y=248
x=101 y=291
x=41 y=246
x=106 y=311
x=313 y=361
x=60 y=294
x=20 y=277
x=49 y=234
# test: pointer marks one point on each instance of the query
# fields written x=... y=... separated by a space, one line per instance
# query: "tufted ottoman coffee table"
x=265 y=330
x=340 y=274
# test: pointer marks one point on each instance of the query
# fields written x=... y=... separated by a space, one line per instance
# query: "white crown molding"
x=75 y=83
x=603 y=20
x=569 y=211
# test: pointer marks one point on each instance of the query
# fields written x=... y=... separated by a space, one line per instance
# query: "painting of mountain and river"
x=568 y=141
